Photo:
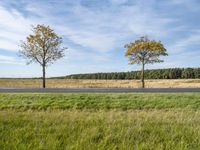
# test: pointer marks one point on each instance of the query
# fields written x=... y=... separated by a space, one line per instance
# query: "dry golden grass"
x=68 y=83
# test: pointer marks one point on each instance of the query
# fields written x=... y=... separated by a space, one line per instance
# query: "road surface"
x=103 y=90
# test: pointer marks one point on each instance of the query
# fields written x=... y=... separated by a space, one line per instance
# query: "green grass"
x=99 y=101
x=100 y=130
x=90 y=121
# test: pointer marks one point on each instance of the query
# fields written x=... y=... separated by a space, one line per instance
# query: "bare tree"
x=144 y=51
x=43 y=47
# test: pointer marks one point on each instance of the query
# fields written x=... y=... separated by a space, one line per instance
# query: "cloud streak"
x=10 y=60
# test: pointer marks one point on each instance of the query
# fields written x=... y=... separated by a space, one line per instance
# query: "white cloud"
x=109 y=29
x=13 y=28
x=10 y=60
x=100 y=31
x=77 y=54
x=185 y=43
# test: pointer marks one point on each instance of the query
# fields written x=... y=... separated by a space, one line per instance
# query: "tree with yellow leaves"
x=144 y=51
x=43 y=47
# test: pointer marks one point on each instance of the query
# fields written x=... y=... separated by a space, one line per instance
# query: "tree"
x=144 y=51
x=43 y=47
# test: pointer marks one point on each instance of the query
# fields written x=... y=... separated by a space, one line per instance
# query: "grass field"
x=87 y=121
x=100 y=101
x=67 y=83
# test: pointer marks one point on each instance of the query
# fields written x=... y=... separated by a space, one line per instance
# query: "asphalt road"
x=102 y=90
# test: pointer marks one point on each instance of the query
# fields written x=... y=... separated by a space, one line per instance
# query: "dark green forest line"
x=170 y=73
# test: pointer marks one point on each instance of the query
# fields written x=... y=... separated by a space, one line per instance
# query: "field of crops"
x=100 y=121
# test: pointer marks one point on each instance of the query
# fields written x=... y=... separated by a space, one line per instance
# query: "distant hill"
x=170 y=73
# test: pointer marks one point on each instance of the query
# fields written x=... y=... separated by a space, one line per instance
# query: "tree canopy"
x=43 y=46
x=145 y=51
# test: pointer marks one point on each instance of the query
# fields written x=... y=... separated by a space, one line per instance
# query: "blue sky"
x=95 y=32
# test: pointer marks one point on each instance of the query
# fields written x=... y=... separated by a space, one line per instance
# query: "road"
x=102 y=90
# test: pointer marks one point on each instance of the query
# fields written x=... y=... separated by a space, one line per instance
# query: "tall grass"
x=103 y=121
x=103 y=130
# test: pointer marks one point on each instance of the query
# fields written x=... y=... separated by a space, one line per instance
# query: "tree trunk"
x=43 y=78
x=142 y=75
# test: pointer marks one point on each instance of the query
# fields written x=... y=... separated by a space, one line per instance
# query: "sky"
x=95 y=32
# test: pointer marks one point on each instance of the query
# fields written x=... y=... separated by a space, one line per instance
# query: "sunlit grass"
x=104 y=121
x=155 y=129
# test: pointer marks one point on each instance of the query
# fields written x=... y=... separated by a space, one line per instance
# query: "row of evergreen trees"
x=171 y=73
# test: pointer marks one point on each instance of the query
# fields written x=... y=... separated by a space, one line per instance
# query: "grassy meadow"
x=77 y=83
x=104 y=121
